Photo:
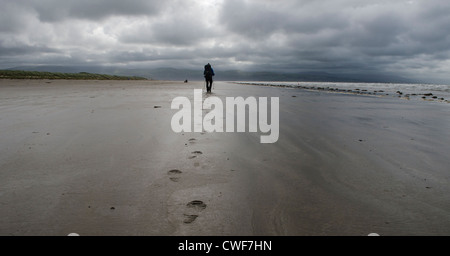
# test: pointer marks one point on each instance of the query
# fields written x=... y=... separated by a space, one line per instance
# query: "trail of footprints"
x=193 y=208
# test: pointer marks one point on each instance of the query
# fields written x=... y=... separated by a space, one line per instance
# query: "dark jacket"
x=209 y=71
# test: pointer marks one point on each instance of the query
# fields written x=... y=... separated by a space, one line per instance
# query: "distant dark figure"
x=185 y=81
x=208 y=73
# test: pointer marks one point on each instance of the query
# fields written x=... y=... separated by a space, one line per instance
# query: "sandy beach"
x=100 y=158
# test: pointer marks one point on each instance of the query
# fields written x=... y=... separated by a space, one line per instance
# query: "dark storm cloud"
x=25 y=50
x=353 y=35
x=262 y=18
x=407 y=37
x=181 y=30
x=57 y=10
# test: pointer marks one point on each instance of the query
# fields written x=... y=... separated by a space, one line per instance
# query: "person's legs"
x=208 y=85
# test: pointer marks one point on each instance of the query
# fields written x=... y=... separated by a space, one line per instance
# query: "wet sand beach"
x=100 y=158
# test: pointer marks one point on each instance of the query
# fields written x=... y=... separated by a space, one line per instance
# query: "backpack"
x=208 y=73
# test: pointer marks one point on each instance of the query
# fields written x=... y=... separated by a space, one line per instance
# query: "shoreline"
x=357 y=91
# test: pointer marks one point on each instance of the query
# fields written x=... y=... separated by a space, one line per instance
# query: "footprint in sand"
x=196 y=206
x=191 y=141
x=174 y=175
x=189 y=218
x=195 y=154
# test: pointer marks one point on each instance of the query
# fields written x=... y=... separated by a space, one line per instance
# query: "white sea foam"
x=414 y=91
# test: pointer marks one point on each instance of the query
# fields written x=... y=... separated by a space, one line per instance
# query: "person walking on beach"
x=208 y=74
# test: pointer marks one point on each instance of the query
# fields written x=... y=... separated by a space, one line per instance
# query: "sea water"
x=439 y=93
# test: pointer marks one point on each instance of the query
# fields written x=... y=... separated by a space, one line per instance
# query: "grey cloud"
x=180 y=25
x=148 y=55
x=263 y=18
x=338 y=35
x=21 y=50
x=175 y=32
x=363 y=36
x=249 y=19
x=13 y=17
x=57 y=10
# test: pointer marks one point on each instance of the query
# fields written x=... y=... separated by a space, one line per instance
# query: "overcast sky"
x=410 y=38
